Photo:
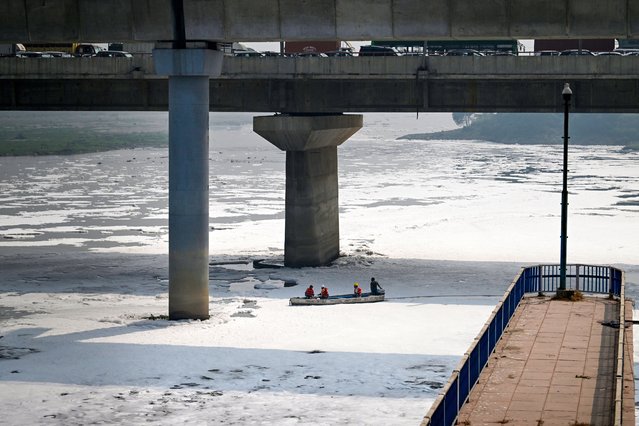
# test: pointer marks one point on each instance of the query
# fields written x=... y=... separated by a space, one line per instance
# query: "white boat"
x=338 y=299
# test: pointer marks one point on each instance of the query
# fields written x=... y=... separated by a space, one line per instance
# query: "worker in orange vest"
x=357 y=291
x=309 y=292
x=324 y=293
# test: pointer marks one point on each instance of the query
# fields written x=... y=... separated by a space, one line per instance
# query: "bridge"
x=332 y=85
x=186 y=33
x=272 y=20
x=189 y=77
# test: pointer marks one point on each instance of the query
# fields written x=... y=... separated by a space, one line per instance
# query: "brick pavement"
x=553 y=366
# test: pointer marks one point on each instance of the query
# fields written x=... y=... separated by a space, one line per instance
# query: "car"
x=464 y=52
x=547 y=53
x=113 y=54
x=55 y=54
x=30 y=54
x=340 y=52
x=613 y=53
x=576 y=52
x=311 y=54
x=248 y=54
x=86 y=49
x=373 y=50
x=627 y=52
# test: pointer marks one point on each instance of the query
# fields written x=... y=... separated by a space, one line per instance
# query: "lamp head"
x=566 y=93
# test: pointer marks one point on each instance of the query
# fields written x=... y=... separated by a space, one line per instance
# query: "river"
x=444 y=225
x=454 y=200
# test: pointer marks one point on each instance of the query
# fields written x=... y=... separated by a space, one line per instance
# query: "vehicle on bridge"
x=373 y=50
x=464 y=52
x=547 y=53
x=628 y=52
x=113 y=54
x=576 y=52
x=344 y=51
x=561 y=45
x=11 y=49
x=247 y=53
x=442 y=47
x=613 y=53
x=85 y=49
x=30 y=54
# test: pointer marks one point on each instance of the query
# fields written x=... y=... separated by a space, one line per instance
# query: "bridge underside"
x=328 y=95
x=271 y=20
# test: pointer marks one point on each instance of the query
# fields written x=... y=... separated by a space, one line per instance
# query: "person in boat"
x=309 y=292
x=324 y=293
x=357 y=291
x=376 y=288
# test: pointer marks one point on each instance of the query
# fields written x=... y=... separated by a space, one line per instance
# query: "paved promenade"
x=554 y=366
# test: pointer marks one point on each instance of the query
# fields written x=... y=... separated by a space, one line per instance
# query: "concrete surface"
x=273 y=20
x=189 y=72
x=553 y=366
x=312 y=199
x=333 y=85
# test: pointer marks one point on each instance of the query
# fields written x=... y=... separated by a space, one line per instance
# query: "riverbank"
x=543 y=129
x=63 y=133
x=70 y=141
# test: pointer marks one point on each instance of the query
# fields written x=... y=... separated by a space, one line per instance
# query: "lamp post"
x=566 y=94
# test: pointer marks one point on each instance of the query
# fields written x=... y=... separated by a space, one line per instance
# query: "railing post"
x=611 y=291
x=458 y=405
x=619 y=366
x=577 y=277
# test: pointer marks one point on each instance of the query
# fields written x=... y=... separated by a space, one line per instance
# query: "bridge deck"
x=554 y=365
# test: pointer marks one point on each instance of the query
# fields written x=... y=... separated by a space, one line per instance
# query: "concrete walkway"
x=553 y=366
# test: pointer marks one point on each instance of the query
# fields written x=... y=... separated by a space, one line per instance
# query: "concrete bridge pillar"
x=189 y=71
x=312 y=209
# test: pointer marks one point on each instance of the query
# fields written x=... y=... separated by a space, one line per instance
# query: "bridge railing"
x=621 y=350
x=585 y=278
x=533 y=279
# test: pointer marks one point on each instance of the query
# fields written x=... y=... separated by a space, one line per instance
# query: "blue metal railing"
x=533 y=279
x=585 y=278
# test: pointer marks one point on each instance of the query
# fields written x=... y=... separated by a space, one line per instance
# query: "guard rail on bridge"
x=333 y=85
x=344 y=68
x=534 y=279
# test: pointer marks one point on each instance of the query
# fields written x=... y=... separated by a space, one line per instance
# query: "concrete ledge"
x=274 y=20
x=347 y=68
x=188 y=62
x=330 y=96
x=304 y=133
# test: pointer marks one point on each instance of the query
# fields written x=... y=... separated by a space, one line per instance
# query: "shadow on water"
x=81 y=361
x=405 y=280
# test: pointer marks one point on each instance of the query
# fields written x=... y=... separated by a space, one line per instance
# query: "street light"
x=566 y=94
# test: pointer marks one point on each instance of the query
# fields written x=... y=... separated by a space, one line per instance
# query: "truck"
x=11 y=49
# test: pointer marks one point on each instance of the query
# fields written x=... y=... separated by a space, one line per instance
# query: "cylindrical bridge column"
x=189 y=71
x=312 y=207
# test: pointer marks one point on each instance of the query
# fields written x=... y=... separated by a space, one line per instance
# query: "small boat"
x=263 y=264
x=338 y=299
